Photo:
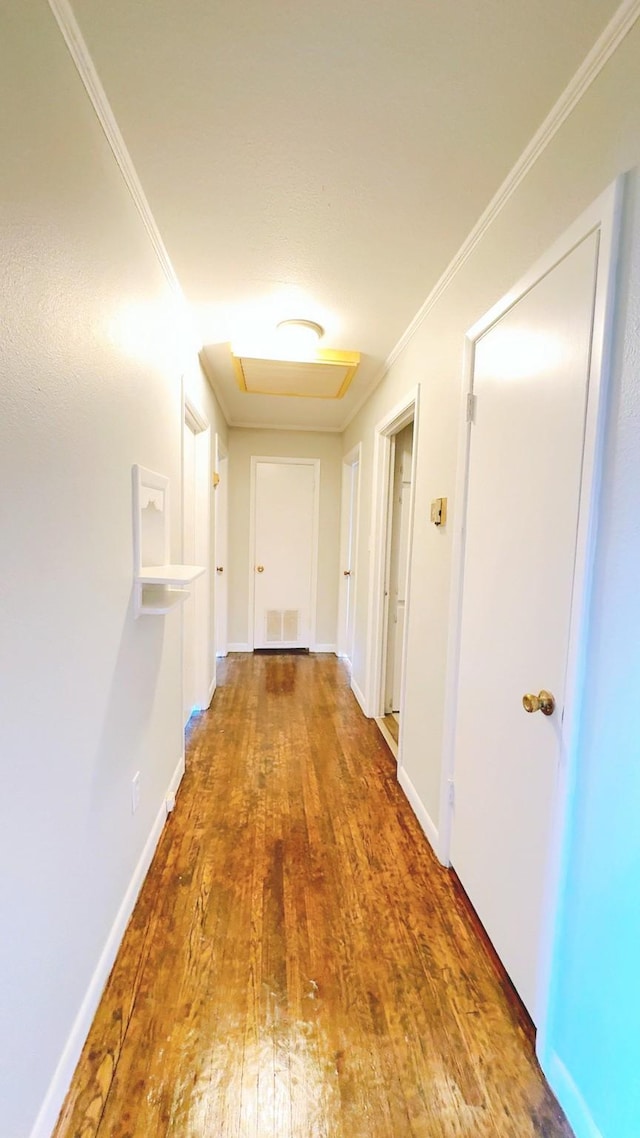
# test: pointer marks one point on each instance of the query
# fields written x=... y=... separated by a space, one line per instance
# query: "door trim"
x=349 y=460
x=603 y=216
x=196 y=422
x=405 y=412
x=315 y=463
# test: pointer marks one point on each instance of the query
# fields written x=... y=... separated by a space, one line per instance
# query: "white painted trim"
x=315 y=540
x=212 y=692
x=408 y=584
x=400 y=416
x=359 y=694
x=418 y=807
x=609 y=40
x=79 y=52
x=604 y=216
x=327 y=648
x=388 y=737
x=193 y=417
x=195 y=421
x=239 y=647
x=59 y=1085
x=567 y=1093
x=264 y=426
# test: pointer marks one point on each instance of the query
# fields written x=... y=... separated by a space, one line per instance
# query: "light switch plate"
x=439 y=511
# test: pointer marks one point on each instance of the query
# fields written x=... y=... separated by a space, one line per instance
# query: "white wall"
x=89 y=385
x=594 y=1033
x=243 y=443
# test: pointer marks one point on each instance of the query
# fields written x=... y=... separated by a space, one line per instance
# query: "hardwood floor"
x=298 y=965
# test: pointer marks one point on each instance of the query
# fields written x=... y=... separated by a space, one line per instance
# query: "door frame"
x=405 y=412
x=196 y=421
x=603 y=216
x=349 y=524
x=315 y=463
x=221 y=551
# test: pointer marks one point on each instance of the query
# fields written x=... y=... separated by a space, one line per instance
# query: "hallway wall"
x=593 y=1050
x=245 y=442
x=90 y=383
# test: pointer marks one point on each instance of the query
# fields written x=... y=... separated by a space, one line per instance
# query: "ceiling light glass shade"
x=298 y=339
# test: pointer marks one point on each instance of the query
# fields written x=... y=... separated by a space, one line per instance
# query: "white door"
x=189 y=678
x=348 y=539
x=221 y=567
x=530 y=381
x=285 y=527
x=349 y=572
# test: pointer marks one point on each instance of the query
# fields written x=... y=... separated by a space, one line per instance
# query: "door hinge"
x=471 y=407
x=452 y=793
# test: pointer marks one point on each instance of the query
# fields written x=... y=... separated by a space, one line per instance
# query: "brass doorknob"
x=346 y=572
x=260 y=568
x=219 y=569
x=543 y=701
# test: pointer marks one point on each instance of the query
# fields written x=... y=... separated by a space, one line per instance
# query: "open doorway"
x=396 y=574
x=392 y=527
x=348 y=553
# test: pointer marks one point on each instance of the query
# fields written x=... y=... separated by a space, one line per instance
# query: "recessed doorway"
x=392 y=527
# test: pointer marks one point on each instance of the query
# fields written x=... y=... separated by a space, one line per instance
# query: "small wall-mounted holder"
x=154 y=576
x=439 y=511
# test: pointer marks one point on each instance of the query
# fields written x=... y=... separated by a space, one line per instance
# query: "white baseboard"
x=325 y=648
x=569 y=1096
x=418 y=808
x=357 y=691
x=59 y=1085
x=238 y=648
x=212 y=688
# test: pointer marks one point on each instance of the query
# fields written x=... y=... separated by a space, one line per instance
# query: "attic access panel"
x=326 y=377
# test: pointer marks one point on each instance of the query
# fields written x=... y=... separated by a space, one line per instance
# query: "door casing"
x=204 y=683
x=400 y=416
x=603 y=216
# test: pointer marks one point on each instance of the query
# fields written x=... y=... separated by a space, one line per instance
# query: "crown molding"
x=81 y=57
x=609 y=40
x=241 y=426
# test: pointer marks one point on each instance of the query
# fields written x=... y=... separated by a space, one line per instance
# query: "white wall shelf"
x=170 y=574
x=153 y=571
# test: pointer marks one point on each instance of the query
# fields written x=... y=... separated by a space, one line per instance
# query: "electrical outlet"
x=135 y=792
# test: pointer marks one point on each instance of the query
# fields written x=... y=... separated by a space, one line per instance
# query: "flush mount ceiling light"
x=299 y=336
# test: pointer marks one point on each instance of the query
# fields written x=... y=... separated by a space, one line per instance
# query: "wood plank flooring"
x=298 y=965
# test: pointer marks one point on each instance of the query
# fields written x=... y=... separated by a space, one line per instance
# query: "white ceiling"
x=325 y=159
